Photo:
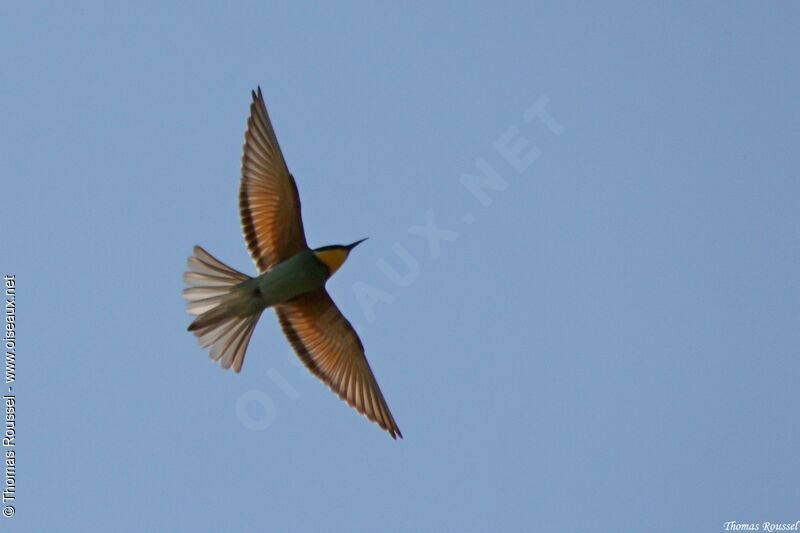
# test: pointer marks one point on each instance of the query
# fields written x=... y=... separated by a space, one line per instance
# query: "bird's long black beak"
x=351 y=246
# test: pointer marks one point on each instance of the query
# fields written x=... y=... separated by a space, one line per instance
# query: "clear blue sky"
x=610 y=345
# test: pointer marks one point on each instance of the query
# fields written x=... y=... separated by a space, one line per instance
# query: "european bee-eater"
x=291 y=280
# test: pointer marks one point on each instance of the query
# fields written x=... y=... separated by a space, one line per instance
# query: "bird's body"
x=304 y=272
x=299 y=274
x=292 y=278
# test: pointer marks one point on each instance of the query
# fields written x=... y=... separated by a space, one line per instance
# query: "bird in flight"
x=227 y=303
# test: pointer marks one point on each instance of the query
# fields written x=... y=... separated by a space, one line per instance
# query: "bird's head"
x=334 y=256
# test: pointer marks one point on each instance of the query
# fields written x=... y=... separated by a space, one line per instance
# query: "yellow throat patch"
x=333 y=258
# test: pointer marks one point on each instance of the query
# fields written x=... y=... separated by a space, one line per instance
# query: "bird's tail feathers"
x=211 y=297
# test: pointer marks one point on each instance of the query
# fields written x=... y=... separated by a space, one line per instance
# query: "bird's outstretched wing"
x=268 y=200
x=330 y=348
